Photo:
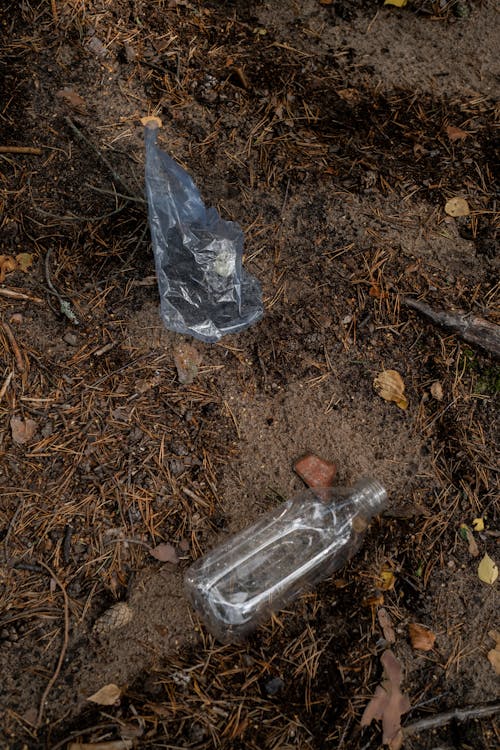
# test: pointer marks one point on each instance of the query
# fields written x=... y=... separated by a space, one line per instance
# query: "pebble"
x=71 y=339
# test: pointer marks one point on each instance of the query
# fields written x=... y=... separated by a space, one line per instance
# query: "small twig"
x=471 y=328
x=129 y=193
x=6 y=384
x=11 y=525
x=13 y=294
x=458 y=714
x=63 y=304
x=80 y=218
x=20 y=150
x=64 y=646
x=14 y=346
x=66 y=547
x=113 y=193
x=105 y=349
x=55 y=15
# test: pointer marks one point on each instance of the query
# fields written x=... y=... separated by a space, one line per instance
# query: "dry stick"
x=20 y=150
x=458 y=714
x=471 y=328
x=129 y=194
x=64 y=647
x=6 y=384
x=63 y=303
x=13 y=345
x=13 y=294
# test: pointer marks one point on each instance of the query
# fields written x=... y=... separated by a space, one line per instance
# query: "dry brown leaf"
x=22 y=429
x=457 y=207
x=165 y=553
x=456 y=134
x=24 y=261
x=73 y=99
x=373 y=601
x=437 y=390
x=388 y=703
x=469 y=537
x=349 y=95
x=385 y=623
x=187 y=361
x=7 y=264
x=31 y=715
x=494 y=654
x=377 y=292
x=107 y=695
x=421 y=637
x=390 y=386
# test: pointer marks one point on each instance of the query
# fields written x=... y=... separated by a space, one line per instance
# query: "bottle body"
x=286 y=552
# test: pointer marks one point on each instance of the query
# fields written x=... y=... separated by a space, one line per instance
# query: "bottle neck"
x=369 y=497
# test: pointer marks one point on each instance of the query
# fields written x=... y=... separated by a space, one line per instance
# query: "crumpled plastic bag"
x=204 y=290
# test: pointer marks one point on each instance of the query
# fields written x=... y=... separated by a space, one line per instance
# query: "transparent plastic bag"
x=204 y=290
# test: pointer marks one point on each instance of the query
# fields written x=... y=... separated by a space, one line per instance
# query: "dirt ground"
x=334 y=133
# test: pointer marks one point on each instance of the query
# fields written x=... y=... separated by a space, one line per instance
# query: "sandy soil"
x=322 y=129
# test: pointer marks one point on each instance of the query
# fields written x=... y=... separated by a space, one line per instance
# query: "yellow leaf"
x=388 y=579
x=107 y=695
x=457 y=207
x=390 y=386
x=478 y=524
x=24 y=261
x=487 y=570
x=397 y=3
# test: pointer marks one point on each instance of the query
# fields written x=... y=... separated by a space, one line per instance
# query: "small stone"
x=274 y=686
x=315 y=472
x=71 y=339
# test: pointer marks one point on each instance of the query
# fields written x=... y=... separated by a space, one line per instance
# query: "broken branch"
x=471 y=328
x=14 y=346
x=20 y=150
x=13 y=294
x=458 y=714
x=64 y=646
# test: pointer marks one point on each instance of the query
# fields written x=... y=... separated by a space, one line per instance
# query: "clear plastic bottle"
x=286 y=552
